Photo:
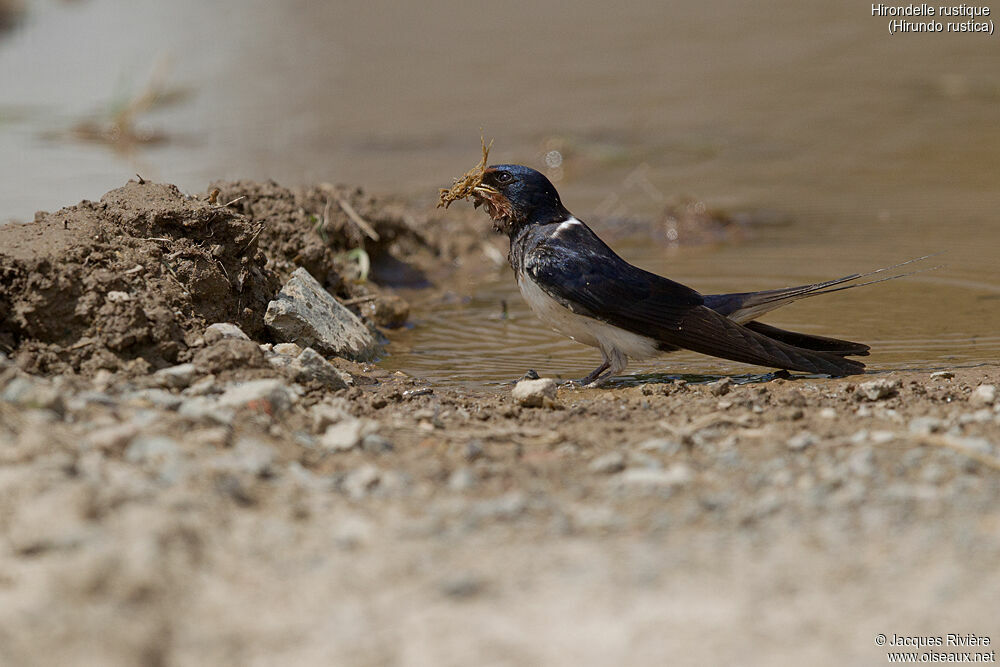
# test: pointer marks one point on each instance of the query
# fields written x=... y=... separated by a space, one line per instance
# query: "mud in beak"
x=484 y=193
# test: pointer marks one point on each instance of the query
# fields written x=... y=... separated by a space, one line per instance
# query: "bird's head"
x=515 y=195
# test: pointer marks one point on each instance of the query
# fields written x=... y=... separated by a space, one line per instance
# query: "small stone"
x=157 y=398
x=720 y=387
x=176 y=377
x=659 y=445
x=329 y=412
x=373 y=443
x=204 y=408
x=203 y=387
x=219 y=330
x=115 y=296
x=152 y=449
x=345 y=435
x=877 y=390
x=26 y=392
x=535 y=393
x=983 y=396
x=247 y=456
x=287 y=349
x=942 y=375
x=462 y=479
x=309 y=365
x=926 y=425
x=307 y=314
x=608 y=464
x=827 y=413
x=801 y=441
x=676 y=475
x=359 y=483
x=111 y=438
x=270 y=396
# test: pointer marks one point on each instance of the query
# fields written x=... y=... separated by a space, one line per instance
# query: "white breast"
x=584 y=329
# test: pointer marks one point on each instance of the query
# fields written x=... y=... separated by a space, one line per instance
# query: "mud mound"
x=318 y=227
x=136 y=275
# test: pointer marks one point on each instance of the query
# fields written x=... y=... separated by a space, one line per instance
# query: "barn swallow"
x=581 y=288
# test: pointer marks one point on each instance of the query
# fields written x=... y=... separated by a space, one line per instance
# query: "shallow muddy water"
x=875 y=148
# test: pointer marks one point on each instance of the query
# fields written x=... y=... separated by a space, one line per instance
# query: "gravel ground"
x=235 y=500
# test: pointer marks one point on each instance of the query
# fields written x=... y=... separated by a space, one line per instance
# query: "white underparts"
x=615 y=344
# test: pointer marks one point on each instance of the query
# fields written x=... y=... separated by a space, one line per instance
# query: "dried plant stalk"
x=463 y=187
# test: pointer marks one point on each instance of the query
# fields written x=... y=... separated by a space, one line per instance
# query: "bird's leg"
x=583 y=382
x=615 y=362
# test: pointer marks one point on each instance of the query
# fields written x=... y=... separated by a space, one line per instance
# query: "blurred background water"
x=874 y=148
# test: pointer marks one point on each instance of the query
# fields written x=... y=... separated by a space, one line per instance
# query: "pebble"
x=983 y=396
x=659 y=445
x=30 y=393
x=329 y=412
x=345 y=434
x=249 y=455
x=608 y=464
x=877 y=390
x=204 y=408
x=801 y=441
x=360 y=482
x=925 y=425
x=176 y=377
x=535 y=393
x=309 y=365
x=942 y=375
x=677 y=475
x=158 y=398
x=307 y=314
x=219 y=330
x=720 y=387
x=267 y=395
x=287 y=349
x=462 y=479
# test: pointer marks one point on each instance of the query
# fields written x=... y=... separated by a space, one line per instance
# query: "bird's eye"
x=504 y=177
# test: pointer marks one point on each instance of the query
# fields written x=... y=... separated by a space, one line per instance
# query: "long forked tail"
x=746 y=306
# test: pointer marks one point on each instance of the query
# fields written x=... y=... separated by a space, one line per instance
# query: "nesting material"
x=462 y=188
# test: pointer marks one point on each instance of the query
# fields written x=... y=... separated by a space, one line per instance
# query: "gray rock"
x=156 y=397
x=247 y=456
x=926 y=425
x=362 y=481
x=659 y=445
x=535 y=393
x=720 y=387
x=26 y=392
x=942 y=375
x=345 y=434
x=985 y=395
x=176 y=377
x=275 y=393
x=306 y=314
x=801 y=441
x=462 y=479
x=608 y=464
x=877 y=390
x=203 y=408
x=309 y=365
x=219 y=330
x=158 y=454
x=373 y=443
x=676 y=475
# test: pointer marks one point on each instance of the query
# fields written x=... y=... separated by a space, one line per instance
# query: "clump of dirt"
x=136 y=275
x=337 y=233
x=139 y=274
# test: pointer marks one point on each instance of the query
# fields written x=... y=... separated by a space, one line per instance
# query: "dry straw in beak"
x=463 y=187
